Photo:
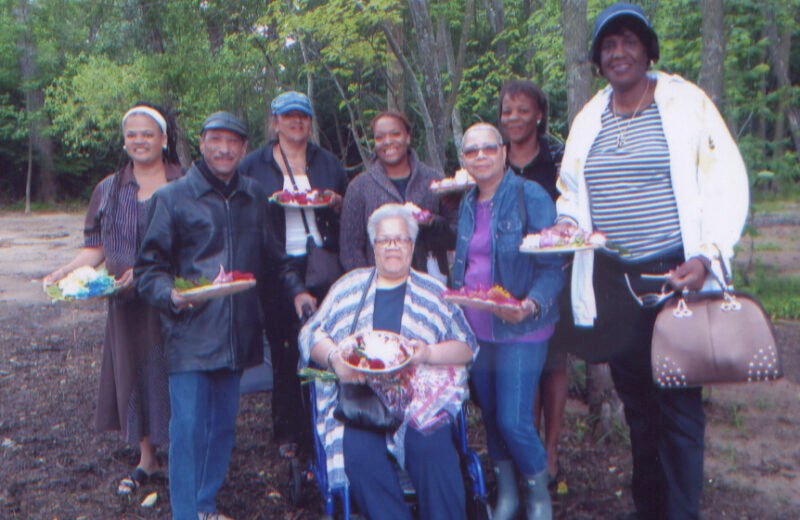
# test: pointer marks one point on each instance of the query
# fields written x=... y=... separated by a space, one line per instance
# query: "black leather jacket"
x=193 y=230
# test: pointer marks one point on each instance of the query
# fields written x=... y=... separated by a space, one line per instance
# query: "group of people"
x=649 y=162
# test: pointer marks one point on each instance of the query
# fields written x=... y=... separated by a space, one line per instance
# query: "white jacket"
x=708 y=178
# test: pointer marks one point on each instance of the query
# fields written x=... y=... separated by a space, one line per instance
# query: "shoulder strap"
x=522 y=209
x=294 y=184
x=361 y=303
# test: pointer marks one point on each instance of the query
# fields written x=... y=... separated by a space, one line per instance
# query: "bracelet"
x=331 y=352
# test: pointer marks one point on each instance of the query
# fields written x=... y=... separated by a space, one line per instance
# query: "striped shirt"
x=112 y=218
x=630 y=189
x=426 y=317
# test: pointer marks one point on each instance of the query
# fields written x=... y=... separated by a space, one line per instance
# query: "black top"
x=543 y=169
x=401 y=184
x=389 y=308
x=324 y=173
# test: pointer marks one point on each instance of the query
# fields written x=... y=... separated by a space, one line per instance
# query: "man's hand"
x=518 y=314
x=690 y=274
x=304 y=299
x=179 y=301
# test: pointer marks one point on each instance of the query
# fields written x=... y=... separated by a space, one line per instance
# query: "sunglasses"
x=649 y=299
x=489 y=150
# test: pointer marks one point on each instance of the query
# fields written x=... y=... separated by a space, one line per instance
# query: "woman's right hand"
x=564 y=229
x=53 y=277
x=344 y=372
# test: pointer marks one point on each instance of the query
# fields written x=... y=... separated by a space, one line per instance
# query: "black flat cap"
x=224 y=121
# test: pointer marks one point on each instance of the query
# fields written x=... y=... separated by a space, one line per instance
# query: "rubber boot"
x=537 y=499
x=507 y=495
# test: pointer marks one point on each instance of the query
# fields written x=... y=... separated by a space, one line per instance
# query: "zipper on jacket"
x=232 y=351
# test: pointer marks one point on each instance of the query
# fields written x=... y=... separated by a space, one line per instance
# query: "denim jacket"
x=538 y=277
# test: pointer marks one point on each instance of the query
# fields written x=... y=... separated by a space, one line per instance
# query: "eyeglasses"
x=489 y=150
x=392 y=241
x=649 y=299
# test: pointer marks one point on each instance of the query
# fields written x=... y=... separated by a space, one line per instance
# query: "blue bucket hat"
x=289 y=101
x=638 y=23
x=224 y=121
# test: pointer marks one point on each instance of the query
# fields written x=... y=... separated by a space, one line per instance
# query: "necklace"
x=620 y=133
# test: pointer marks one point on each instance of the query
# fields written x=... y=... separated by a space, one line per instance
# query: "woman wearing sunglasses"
x=650 y=163
x=493 y=218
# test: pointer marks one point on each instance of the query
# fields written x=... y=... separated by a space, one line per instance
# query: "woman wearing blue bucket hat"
x=649 y=162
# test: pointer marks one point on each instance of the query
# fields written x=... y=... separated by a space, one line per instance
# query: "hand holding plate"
x=179 y=301
x=516 y=315
x=344 y=372
x=125 y=281
x=422 y=352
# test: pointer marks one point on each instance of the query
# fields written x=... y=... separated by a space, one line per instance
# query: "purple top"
x=479 y=275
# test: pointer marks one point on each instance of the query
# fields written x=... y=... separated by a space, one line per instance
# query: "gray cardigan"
x=370 y=190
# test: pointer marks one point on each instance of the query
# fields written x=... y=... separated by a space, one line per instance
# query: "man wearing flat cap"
x=211 y=219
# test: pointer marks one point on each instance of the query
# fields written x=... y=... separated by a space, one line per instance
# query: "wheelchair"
x=475 y=485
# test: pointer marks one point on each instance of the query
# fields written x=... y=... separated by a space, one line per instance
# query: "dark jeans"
x=666 y=426
x=202 y=431
x=431 y=461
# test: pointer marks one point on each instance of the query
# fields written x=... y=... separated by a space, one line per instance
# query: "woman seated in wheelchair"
x=425 y=395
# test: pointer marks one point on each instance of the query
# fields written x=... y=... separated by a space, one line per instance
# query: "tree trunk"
x=712 y=70
x=780 y=68
x=34 y=102
x=497 y=21
x=395 y=93
x=433 y=93
x=455 y=67
x=578 y=68
x=309 y=90
x=605 y=408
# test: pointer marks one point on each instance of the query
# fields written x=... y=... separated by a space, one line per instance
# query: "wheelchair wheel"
x=478 y=508
x=297 y=476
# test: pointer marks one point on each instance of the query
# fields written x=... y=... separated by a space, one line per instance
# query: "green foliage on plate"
x=182 y=284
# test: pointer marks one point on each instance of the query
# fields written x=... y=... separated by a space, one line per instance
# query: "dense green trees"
x=69 y=68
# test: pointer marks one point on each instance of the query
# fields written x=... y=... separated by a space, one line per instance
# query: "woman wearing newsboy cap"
x=668 y=186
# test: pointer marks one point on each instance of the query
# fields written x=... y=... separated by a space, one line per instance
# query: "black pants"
x=666 y=426
x=291 y=421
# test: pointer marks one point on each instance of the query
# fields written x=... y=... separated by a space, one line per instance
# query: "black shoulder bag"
x=322 y=266
x=358 y=405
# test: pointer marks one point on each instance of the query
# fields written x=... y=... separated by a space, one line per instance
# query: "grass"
x=768 y=246
x=43 y=207
x=780 y=295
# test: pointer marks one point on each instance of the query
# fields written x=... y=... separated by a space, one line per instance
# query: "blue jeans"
x=505 y=377
x=431 y=461
x=202 y=430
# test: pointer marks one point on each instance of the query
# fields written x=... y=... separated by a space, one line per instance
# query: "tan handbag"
x=713 y=337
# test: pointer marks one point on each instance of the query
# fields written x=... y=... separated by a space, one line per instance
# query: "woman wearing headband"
x=133 y=395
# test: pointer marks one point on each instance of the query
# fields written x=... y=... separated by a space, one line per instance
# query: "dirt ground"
x=54 y=466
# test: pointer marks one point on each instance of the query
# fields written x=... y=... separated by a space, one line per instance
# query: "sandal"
x=132 y=482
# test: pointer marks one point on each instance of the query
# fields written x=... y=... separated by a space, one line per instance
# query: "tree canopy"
x=70 y=68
